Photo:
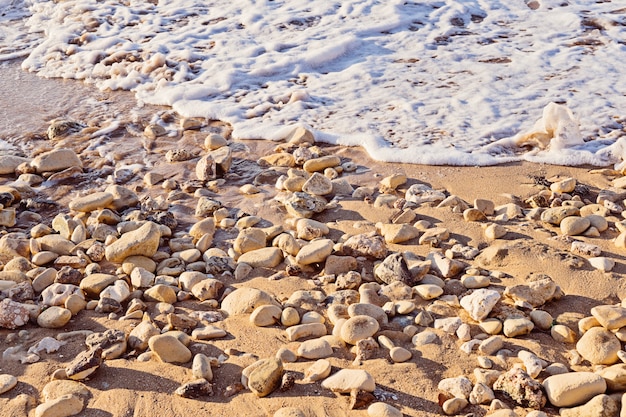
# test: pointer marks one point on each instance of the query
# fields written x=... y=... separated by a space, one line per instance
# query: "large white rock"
x=573 y=388
x=480 y=303
x=599 y=346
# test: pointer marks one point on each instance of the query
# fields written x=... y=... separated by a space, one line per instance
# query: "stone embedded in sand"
x=380 y=409
x=336 y=265
x=599 y=346
x=59 y=387
x=91 y=202
x=317 y=184
x=480 y=303
x=357 y=328
x=13 y=314
x=491 y=345
x=63 y=406
x=369 y=245
x=141 y=334
x=56 y=160
x=169 y=348
x=563 y=334
x=495 y=231
x=54 y=317
x=203 y=227
x=315 y=252
x=142 y=241
x=214 y=141
x=244 y=300
x=522 y=389
x=392 y=182
x=265 y=376
x=602 y=263
x=573 y=388
x=346 y=380
x=610 y=317
x=474 y=215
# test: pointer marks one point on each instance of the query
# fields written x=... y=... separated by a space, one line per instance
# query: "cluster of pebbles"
x=124 y=255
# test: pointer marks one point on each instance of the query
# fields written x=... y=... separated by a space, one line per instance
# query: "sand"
x=127 y=387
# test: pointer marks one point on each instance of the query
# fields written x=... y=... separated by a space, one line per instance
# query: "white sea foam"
x=429 y=81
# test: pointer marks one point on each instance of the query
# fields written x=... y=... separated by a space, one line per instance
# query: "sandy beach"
x=127 y=386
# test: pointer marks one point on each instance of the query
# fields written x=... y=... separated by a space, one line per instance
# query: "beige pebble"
x=289 y=317
x=265 y=315
x=318 y=371
x=399 y=354
x=380 y=409
x=63 y=406
x=563 y=334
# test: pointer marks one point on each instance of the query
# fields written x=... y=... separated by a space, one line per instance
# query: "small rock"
x=454 y=406
x=346 y=380
x=380 y=409
x=56 y=160
x=573 y=226
x=54 y=317
x=169 y=348
x=517 y=327
x=318 y=371
x=265 y=377
x=480 y=303
x=63 y=406
x=244 y=300
x=7 y=383
x=357 y=328
x=600 y=406
x=599 y=346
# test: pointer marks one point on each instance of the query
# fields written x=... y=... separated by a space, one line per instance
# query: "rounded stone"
x=380 y=409
x=289 y=317
x=542 y=319
x=573 y=388
x=265 y=315
x=54 y=317
x=244 y=300
x=346 y=380
x=63 y=406
x=399 y=354
x=573 y=225
x=169 y=348
x=7 y=382
x=599 y=346
x=319 y=370
x=357 y=328
x=517 y=327
x=315 y=349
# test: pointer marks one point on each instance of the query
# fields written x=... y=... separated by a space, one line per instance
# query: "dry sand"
x=126 y=387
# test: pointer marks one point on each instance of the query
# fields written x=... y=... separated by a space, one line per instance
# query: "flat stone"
x=566 y=185
x=91 y=202
x=56 y=160
x=262 y=258
x=84 y=364
x=599 y=346
x=368 y=245
x=398 y=233
x=610 y=317
x=119 y=291
x=602 y=263
x=169 y=348
x=160 y=293
x=446 y=267
x=573 y=388
x=536 y=293
x=428 y=291
x=142 y=241
x=92 y=285
x=346 y=380
x=63 y=406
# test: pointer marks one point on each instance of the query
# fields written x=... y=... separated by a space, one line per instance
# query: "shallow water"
x=429 y=82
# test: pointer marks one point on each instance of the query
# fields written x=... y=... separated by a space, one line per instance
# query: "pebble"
x=320 y=164
x=573 y=226
x=244 y=300
x=428 y=291
x=357 y=328
x=307 y=330
x=63 y=406
x=289 y=317
x=399 y=354
x=317 y=184
x=54 y=317
x=599 y=346
x=169 y=348
x=265 y=315
x=480 y=303
x=600 y=405
x=346 y=380
x=318 y=371
x=7 y=383
x=289 y=412
x=262 y=258
x=491 y=345
x=59 y=387
x=542 y=319
x=454 y=406
x=315 y=252
x=380 y=409
x=315 y=349
x=602 y=263
x=523 y=389
x=457 y=387
x=201 y=367
x=563 y=334
x=265 y=376
x=573 y=388
x=517 y=327
x=142 y=241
